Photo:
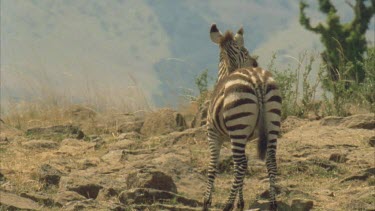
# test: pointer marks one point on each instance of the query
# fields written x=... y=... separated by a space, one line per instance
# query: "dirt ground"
x=156 y=162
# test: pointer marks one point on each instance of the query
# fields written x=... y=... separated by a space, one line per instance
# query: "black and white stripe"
x=245 y=98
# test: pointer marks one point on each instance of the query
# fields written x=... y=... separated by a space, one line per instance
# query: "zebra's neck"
x=224 y=67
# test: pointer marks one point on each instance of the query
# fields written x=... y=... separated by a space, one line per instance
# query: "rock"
x=174 y=207
x=49 y=175
x=327 y=165
x=331 y=121
x=151 y=196
x=74 y=147
x=39 y=144
x=264 y=205
x=111 y=123
x=98 y=140
x=361 y=175
x=302 y=205
x=114 y=156
x=200 y=117
x=130 y=135
x=279 y=190
x=106 y=193
x=130 y=127
x=88 y=163
x=64 y=197
x=122 y=144
x=80 y=113
x=85 y=185
x=43 y=199
x=13 y=202
x=2 y=177
x=145 y=178
x=57 y=132
x=338 y=158
x=88 y=204
x=360 y=121
x=162 y=122
x=371 y=141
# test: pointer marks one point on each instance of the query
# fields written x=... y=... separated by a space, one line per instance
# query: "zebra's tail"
x=263 y=133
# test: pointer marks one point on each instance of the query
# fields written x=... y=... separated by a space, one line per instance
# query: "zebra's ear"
x=239 y=37
x=215 y=34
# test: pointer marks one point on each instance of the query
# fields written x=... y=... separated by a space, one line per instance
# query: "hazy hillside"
x=85 y=50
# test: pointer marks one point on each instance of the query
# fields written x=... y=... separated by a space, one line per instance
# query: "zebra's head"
x=233 y=54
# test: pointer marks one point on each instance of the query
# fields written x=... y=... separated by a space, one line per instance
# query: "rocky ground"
x=156 y=161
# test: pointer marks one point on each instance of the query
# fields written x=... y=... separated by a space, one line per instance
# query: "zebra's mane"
x=228 y=36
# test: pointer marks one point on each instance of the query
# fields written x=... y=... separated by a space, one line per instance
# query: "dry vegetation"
x=328 y=162
x=93 y=156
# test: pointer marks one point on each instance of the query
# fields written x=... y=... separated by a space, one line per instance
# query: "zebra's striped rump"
x=237 y=102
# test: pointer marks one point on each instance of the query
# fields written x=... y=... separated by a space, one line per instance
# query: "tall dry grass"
x=41 y=102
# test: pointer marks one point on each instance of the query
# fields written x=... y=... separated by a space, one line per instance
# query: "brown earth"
x=154 y=162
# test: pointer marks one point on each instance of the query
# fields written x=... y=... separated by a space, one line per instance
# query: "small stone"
x=151 y=179
x=302 y=205
x=338 y=158
x=372 y=141
x=49 y=175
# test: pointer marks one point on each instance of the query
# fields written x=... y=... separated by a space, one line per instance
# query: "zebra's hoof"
x=228 y=207
x=240 y=205
x=206 y=204
x=273 y=206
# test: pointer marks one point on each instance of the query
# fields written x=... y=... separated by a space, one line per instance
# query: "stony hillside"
x=155 y=161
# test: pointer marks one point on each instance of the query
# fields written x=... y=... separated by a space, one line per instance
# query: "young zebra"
x=245 y=98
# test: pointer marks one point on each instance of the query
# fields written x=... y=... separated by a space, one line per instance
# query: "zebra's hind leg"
x=240 y=165
x=272 y=171
x=215 y=143
x=241 y=202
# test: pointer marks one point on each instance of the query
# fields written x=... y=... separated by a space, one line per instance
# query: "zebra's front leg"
x=240 y=165
x=215 y=143
x=272 y=171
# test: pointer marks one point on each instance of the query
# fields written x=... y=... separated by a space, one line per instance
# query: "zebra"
x=245 y=98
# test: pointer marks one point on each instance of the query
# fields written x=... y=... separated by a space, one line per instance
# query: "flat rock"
x=360 y=121
x=40 y=198
x=40 y=144
x=154 y=179
x=133 y=126
x=129 y=135
x=87 y=186
x=64 y=197
x=57 y=132
x=122 y=144
x=151 y=196
x=80 y=113
x=264 y=205
x=14 y=202
x=114 y=156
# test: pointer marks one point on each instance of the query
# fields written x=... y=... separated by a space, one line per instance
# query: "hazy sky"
x=111 y=50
